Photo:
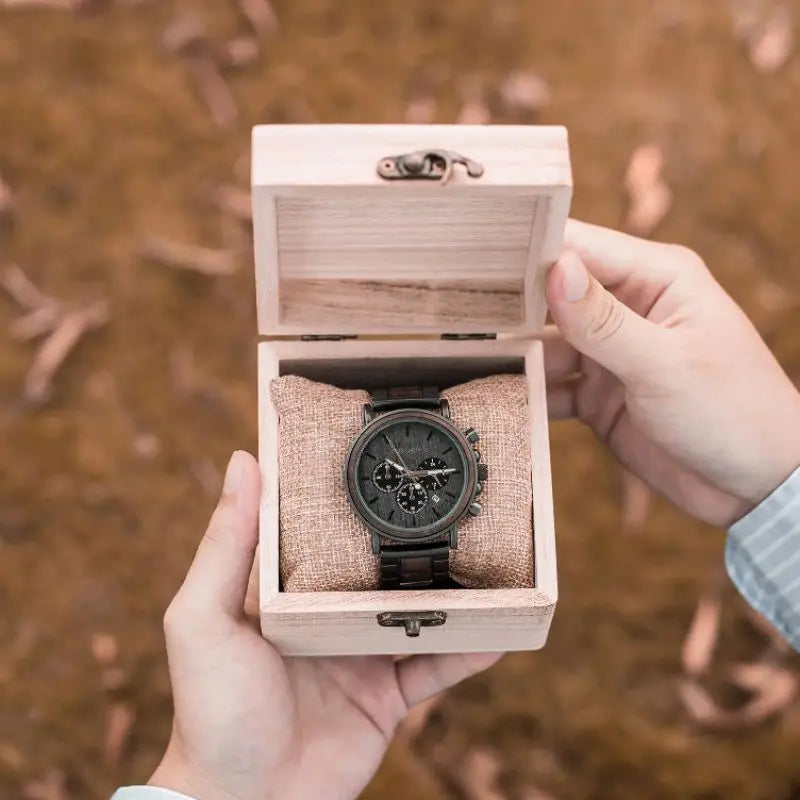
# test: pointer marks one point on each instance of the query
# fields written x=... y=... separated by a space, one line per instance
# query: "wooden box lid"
x=341 y=250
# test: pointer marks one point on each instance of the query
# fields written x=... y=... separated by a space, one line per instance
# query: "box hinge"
x=460 y=336
x=325 y=337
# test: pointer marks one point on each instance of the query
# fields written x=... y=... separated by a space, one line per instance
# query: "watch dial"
x=411 y=497
x=387 y=477
x=411 y=474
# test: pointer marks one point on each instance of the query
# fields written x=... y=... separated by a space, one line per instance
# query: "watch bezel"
x=393 y=532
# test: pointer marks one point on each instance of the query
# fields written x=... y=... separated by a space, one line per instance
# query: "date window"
x=435 y=498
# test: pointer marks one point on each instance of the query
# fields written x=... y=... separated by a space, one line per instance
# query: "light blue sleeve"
x=762 y=555
x=148 y=793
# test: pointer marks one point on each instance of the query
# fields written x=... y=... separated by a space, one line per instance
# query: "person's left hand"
x=251 y=725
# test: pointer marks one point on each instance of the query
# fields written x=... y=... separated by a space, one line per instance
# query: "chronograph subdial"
x=440 y=477
x=412 y=497
x=387 y=477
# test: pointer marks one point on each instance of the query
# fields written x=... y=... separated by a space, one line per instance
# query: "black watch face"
x=410 y=474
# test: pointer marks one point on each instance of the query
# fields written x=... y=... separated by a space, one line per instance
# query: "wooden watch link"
x=412 y=476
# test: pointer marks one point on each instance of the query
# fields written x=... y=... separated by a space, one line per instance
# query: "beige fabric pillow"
x=325 y=547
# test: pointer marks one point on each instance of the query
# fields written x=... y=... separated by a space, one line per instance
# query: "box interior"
x=376 y=373
x=433 y=259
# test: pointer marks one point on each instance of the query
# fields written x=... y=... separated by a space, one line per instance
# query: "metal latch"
x=432 y=165
x=412 y=621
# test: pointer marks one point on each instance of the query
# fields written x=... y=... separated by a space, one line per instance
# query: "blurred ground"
x=106 y=488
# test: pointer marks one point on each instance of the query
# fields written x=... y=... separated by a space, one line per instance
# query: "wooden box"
x=422 y=282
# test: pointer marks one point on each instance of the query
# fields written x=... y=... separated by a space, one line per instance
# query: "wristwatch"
x=412 y=476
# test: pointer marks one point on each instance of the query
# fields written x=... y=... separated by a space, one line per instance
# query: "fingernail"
x=234 y=473
x=575 y=277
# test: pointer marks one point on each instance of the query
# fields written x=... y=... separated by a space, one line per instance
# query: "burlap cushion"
x=325 y=547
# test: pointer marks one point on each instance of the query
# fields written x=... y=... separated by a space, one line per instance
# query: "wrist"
x=176 y=774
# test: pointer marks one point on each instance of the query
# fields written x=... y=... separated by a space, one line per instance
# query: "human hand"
x=250 y=724
x=669 y=372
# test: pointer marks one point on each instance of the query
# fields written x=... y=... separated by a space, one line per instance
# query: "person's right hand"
x=669 y=372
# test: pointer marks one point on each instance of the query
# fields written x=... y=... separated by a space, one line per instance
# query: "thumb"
x=216 y=583
x=597 y=324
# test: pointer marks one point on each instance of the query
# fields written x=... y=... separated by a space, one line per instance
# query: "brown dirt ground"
x=104 y=141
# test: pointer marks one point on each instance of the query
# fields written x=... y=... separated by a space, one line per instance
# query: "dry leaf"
x=700 y=641
x=52 y=786
x=12 y=757
x=104 y=648
x=421 y=111
x=770 y=45
x=774 y=688
x=146 y=445
x=6 y=198
x=190 y=257
x=119 y=723
x=474 y=112
x=477 y=775
x=650 y=198
x=237 y=52
x=207 y=475
x=636 y=500
x=522 y=93
x=58 y=345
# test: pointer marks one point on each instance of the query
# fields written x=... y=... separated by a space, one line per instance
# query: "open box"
x=364 y=282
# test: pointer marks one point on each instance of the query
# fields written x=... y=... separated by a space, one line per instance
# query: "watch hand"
x=397 y=453
x=393 y=464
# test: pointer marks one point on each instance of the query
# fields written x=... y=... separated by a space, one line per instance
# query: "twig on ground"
x=193 y=258
x=6 y=197
x=119 y=724
x=185 y=37
x=233 y=200
x=23 y=290
x=650 y=197
x=261 y=16
x=700 y=641
x=636 y=501
x=59 y=344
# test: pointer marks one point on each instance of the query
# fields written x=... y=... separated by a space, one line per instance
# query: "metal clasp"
x=412 y=621
x=434 y=165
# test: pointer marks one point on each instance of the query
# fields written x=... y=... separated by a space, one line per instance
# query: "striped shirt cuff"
x=762 y=556
x=148 y=793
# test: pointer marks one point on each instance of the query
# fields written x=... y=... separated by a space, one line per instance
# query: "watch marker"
x=430 y=434
x=374 y=500
x=445 y=452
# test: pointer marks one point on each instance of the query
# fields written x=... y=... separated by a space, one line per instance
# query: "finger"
x=421 y=677
x=216 y=583
x=613 y=257
x=600 y=326
x=562 y=401
x=561 y=359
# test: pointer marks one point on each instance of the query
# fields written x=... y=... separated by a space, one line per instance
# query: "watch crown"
x=483 y=472
x=472 y=435
x=474 y=509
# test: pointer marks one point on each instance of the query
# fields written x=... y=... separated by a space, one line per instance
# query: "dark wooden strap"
x=405 y=397
x=423 y=566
